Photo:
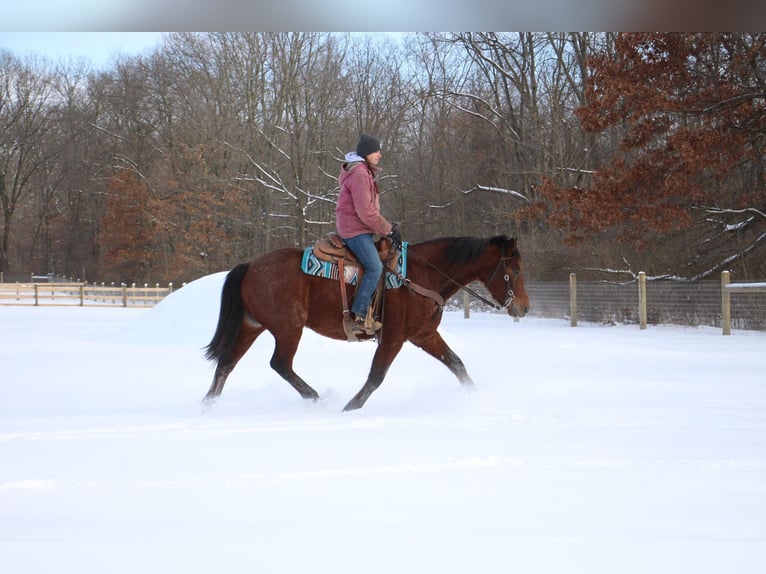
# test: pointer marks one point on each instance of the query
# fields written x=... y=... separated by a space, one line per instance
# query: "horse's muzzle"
x=518 y=310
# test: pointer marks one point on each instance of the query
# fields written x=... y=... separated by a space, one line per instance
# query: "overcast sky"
x=98 y=47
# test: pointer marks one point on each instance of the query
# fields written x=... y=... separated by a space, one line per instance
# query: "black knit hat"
x=367 y=145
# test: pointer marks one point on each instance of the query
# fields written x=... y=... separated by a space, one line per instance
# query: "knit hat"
x=367 y=145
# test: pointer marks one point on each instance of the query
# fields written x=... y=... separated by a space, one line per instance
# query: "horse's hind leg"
x=434 y=345
x=285 y=348
x=224 y=367
x=222 y=371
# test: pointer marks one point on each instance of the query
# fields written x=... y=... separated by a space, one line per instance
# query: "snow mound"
x=186 y=316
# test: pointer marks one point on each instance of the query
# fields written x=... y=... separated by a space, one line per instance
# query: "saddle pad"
x=313 y=266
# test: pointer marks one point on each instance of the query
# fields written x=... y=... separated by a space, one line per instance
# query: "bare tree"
x=26 y=101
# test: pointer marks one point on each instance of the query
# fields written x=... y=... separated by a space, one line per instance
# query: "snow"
x=590 y=449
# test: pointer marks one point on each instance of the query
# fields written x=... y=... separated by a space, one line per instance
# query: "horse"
x=272 y=293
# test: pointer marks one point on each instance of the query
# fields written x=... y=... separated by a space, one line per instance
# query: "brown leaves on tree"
x=126 y=231
x=167 y=229
x=688 y=112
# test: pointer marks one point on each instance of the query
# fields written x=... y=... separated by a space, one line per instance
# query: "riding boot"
x=352 y=328
x=370 y=324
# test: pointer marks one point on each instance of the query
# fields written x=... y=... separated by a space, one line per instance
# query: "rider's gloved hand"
x=396 y=235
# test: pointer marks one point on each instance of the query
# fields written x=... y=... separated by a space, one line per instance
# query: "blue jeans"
x=364 y=248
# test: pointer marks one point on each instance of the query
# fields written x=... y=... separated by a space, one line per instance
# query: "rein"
x=509 y=295
x=420 y=290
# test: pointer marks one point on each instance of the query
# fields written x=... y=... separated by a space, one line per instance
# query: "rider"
x=358 y=219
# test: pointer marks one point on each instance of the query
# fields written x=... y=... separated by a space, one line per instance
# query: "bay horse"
x=272 y=293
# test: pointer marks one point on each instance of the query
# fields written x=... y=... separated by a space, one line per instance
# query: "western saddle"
x=333 y=249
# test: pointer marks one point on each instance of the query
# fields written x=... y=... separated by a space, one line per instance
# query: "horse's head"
x=506 y=283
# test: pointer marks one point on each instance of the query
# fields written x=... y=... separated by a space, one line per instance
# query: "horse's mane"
x=467 y=249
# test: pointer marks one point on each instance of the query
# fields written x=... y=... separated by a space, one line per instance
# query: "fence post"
x=36 y=294
x=124 y=295
x=466 y=306
x=82 y=294
x=573 y=299
x=725 y=303
x=642 y=299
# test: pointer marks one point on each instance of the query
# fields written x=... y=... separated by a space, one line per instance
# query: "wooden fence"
x=82 y=294
x=702 y=303
x=727 y=289
x=642 y=302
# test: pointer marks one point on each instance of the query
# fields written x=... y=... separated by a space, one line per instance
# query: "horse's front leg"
x=434 y=345
x=382 y=360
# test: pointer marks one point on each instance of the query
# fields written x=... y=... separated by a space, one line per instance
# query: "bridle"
x=509 y=294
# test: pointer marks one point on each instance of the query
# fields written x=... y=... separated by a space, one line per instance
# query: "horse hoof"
x=351 y=406
x=207 y=403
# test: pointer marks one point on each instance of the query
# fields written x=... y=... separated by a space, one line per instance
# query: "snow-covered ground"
x=590 y=449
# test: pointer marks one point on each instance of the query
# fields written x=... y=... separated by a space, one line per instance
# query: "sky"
x=98 y=48
x=594 y=450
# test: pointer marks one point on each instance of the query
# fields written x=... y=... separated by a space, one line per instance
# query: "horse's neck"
x=458 y=279
x=446 y=279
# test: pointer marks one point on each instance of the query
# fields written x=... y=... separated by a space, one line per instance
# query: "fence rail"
x=727 y=289
x=653 y=303
x=81 y=294
x=643 y=302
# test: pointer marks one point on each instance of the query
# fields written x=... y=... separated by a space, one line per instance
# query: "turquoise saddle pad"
x=313 y=266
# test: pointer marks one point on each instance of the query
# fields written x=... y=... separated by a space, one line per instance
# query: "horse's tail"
x=230 y=317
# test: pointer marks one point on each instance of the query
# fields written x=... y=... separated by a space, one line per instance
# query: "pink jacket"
x=358 y=207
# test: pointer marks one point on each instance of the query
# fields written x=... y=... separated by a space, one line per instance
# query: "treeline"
x=218 y=147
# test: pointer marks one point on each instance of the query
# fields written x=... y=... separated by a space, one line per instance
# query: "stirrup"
x=351 y=328
x=359 y=326
x=370 y=324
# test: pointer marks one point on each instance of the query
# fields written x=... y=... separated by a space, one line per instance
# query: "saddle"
x=333 y=249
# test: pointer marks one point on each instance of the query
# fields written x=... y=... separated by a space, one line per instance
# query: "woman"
x=358 y=219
